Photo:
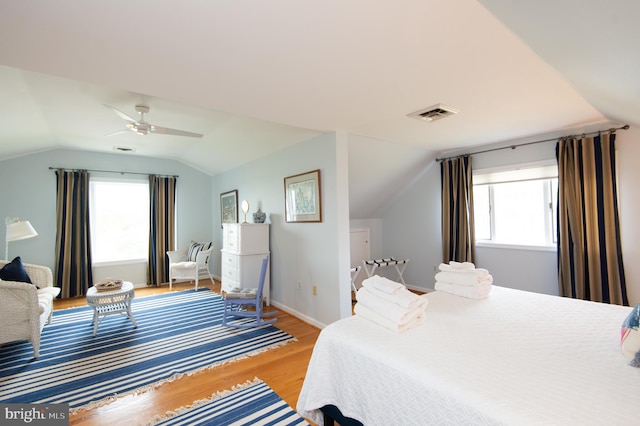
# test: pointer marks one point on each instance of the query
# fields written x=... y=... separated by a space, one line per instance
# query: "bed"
x=515 y=358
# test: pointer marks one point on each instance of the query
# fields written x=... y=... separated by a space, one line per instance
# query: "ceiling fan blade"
x=117 y=132
x=121 y=114
x=175 y=132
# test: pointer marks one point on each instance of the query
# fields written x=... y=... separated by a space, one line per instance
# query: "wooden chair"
x=237 y=302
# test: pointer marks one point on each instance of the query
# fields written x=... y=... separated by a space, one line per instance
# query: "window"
x=119 y=220
x=516 y=207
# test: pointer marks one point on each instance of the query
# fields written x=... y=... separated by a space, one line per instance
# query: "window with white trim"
x=516 y=207
x=119 y=215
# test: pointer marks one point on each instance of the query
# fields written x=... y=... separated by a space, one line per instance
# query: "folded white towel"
x=405 y=299
x=472 y=292
x=443 y=267
x=388 y=309
x=464 y=278
x=384 y=284
x=462 y=265
x=374 y=317
x=457 y=266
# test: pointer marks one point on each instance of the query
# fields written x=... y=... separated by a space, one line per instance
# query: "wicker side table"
x=111 y=302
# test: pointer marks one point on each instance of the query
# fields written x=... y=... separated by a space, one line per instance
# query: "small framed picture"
x=303 y=202
x=229 y=207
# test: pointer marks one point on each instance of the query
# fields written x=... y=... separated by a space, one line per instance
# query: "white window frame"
x=495 y=175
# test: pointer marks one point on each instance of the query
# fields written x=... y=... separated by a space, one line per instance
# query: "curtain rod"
x=612 y=130
x=110 y=171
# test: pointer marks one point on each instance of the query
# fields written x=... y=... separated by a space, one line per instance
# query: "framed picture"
x=229 y=207
x=302 y=197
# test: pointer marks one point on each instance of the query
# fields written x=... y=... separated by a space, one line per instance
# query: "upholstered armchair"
x=189 y=262
x=26 y=308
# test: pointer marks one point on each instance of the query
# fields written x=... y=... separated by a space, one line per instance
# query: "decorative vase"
x=259 y=216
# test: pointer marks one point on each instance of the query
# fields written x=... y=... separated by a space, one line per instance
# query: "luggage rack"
x=354 y=276
x=370 y=266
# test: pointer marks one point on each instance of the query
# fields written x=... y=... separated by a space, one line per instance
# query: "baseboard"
x=298 y=315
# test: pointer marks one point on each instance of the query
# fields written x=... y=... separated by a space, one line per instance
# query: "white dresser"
x=244 y=245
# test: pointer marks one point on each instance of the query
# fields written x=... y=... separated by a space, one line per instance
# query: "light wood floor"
x=283 y=369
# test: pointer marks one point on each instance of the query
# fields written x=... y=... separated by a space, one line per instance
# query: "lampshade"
x=20 y=231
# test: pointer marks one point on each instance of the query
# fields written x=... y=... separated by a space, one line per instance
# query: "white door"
x=360 y=250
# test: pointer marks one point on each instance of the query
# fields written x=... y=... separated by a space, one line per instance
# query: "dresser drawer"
x=229 y=260
x=229 y=273
x=245 y=238
x=231 y=238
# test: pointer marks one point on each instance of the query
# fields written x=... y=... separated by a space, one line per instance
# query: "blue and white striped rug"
x=253 y=403
x=178 y=333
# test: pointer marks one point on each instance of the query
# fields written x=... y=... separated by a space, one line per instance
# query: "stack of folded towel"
x=464 y=279
x=389 y=304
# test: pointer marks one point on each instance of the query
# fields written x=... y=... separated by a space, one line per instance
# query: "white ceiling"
x=258 y=76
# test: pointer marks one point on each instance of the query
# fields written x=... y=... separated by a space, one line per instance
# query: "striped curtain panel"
x=458 y=235
x=589 y=250
x=73 y=238
x=162 y=227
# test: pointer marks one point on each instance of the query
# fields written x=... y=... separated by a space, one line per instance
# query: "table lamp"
x=17 y=230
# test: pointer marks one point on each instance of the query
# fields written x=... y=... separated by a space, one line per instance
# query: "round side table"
x=111 y=302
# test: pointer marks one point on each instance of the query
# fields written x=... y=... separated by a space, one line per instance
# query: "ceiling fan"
x=143 y=127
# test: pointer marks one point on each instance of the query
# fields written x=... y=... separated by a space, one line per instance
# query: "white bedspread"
x=515 y=358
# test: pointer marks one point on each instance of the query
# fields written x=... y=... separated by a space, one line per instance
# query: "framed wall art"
x=303 y=202
x=229 y=207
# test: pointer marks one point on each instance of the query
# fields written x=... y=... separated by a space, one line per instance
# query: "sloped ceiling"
x=256 y=77
x=593 y=44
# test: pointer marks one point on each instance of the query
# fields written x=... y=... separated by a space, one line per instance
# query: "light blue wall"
x=417 y=236
x=29 y=192
x=309 y=253
x=411 y=230
x=375 y=235
x=313 y=254
x=305 y=253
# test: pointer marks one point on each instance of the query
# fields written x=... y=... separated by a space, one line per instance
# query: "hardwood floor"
x=283 y=369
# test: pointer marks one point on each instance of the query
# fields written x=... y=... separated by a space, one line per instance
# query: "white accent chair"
x=24 y=308
x=188 y=263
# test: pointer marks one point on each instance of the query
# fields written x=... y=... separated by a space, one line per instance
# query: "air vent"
x=433 y=113
x=123 y=149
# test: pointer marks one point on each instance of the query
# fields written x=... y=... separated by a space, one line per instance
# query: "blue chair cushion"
x=242 y=293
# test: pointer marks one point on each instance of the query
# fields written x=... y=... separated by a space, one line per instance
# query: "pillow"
x=14 y=271
x=631 y=337
x=196 y=248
